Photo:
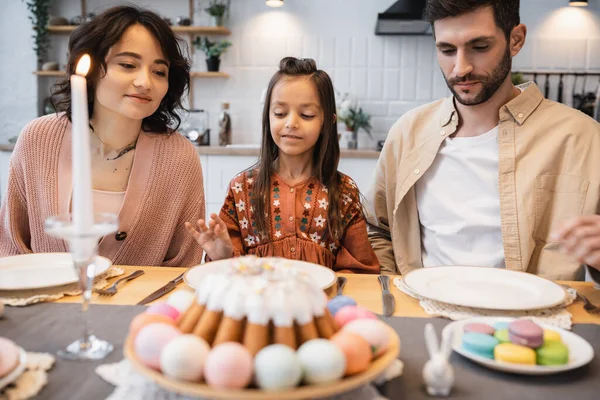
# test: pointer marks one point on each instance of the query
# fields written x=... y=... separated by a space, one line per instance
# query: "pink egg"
x=150 y=341
x=163 y=309
x=374 y=331
x=350 y=313
x=228 y=366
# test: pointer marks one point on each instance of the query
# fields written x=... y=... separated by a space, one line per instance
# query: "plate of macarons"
x=519 y=346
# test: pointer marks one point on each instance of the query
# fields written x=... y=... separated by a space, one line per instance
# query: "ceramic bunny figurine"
x=438 y=373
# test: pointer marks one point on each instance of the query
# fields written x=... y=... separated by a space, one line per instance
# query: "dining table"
x=47 y=327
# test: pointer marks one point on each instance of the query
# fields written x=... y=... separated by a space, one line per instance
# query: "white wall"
x=389 y=74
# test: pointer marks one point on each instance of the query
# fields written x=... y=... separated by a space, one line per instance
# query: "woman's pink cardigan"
x=165 y=189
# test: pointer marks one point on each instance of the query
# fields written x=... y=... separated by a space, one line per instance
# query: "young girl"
x=294 y=203
x=142 y=169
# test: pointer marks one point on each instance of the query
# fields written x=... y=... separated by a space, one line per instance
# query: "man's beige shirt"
x=548 y=171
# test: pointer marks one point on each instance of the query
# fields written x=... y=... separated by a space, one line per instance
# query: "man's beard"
x=490 y=83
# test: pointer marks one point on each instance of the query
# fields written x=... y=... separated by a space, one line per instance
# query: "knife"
x=389 y=303
x=162 y=291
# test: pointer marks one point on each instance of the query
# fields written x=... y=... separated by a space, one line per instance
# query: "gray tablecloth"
x=48 y=327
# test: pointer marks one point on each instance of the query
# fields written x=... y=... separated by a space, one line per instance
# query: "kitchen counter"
x=243 y=151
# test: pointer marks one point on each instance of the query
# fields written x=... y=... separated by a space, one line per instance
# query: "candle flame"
x=83 y=65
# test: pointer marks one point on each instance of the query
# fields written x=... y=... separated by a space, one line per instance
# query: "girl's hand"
x=580 y=238
x=214 y=238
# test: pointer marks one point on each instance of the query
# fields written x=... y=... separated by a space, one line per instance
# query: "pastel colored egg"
x=550 y=335
x=525 y=332
x=181 y=300
x=164 y=309
x=338 y=302
x=9 y=356
x=515 y=354
x=479 y=328
x=552 y=353
x=277 y=367
x=374 y=331
x=502 y=335
x=322 y=361
x=151 y=340
x=141 y=320
x=228 y=366
x=479 y=344
x=183 y=358
x=356 y=349
x=350 y=313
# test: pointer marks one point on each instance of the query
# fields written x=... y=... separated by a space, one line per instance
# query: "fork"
x=587 y=304
x=112 y=290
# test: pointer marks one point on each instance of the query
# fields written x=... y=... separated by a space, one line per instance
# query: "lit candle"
x=82 y=203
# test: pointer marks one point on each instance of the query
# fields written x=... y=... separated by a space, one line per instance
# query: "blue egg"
x=338 y=302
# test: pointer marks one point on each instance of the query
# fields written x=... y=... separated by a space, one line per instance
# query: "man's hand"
x=214 y=238
x=580 y=238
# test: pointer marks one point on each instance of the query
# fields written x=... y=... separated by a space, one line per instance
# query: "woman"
x=141 y=168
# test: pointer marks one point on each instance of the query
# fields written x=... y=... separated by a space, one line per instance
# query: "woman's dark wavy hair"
x=104 y=31
x=326 y=154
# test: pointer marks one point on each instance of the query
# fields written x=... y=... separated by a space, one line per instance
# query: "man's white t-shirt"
x=459 y=204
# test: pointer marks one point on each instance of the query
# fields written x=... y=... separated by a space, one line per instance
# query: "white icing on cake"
x=263 y=289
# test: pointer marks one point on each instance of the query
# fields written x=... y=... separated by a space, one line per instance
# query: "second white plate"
x=580 y=351
x=325 y=277
x=489 y=288
x=41 y=270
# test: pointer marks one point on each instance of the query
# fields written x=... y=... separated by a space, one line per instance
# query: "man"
x=486 y=176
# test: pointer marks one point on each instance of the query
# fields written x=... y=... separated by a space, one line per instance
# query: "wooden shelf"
x=61 y=28
x=49 y=73
x=192 y=74
x=205 y=30
x=209 y=75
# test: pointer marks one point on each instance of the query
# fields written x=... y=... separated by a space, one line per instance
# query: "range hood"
x=404 y=17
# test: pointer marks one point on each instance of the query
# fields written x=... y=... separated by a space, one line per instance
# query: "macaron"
x=550 y=335
x=514 y=354
x=502 y=335
x=164 y=309
x=500 y=325
x=552 y=353
x=479 y=344
x=479 y=328
x=525 y=332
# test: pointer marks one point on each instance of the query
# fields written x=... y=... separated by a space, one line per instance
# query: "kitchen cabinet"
x=220 y=165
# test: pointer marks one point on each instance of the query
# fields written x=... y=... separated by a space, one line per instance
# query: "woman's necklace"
x=120 y=152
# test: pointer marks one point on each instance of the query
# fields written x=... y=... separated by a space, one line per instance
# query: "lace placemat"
x=557 y=316
x=131 y=385
x=32 y=380
x=27 y=297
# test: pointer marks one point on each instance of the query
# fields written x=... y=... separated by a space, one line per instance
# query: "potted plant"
x=216 y=9
x=213 y=51
x=39 y=17
x=355 y=119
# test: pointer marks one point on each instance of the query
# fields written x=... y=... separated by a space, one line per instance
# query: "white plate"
x=325 y=277
x=15 y=373
x=489 y=288
x=580 y=351
x=41 y=270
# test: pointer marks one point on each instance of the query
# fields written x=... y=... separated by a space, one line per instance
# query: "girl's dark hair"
x=104 y=31
x=326 y=151
x=506 y=12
